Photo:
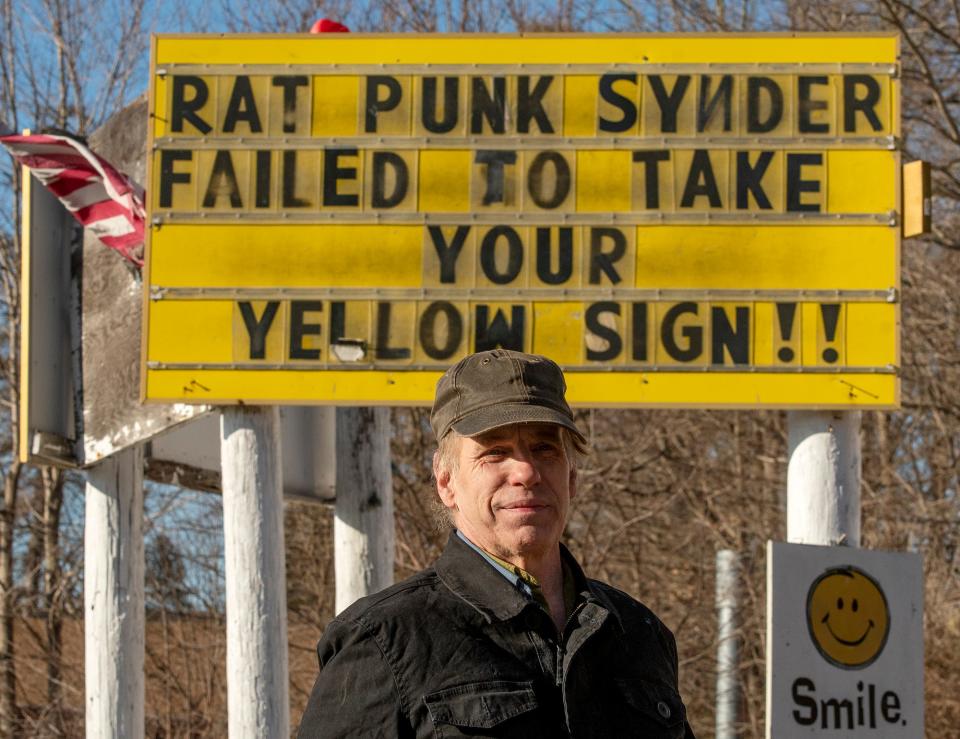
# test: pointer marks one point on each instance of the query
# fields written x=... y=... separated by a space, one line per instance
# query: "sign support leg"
x=363 y=528
x=823 y=478
x=258 y=703
x=113 y=596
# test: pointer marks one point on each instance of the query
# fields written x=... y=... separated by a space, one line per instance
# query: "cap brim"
x=506 y=414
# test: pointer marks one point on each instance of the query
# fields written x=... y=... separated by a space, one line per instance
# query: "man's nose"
x=524 y=469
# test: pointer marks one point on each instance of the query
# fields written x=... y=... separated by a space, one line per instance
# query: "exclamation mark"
x=786 y=312
x=831 y=317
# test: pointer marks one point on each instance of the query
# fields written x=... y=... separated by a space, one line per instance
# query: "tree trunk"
x=8 y=681
x=53 y=603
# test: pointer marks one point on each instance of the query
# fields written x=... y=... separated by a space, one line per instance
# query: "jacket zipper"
x=560 y=665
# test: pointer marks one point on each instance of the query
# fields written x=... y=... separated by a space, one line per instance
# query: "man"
x=504 y=636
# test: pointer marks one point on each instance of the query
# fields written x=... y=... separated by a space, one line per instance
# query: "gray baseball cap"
x=497 y=388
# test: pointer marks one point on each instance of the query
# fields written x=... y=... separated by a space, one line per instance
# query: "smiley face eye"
x=855 y=605
x=840 y=604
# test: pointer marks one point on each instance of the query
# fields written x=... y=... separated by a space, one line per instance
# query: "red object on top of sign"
x=325 y=25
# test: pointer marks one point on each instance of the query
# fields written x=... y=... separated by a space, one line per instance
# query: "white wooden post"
x=257 y=694
x=113 y=605
x=363 y=528
x=823 y=478
x=728 y=646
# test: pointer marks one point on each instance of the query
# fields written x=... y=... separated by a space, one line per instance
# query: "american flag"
x=99 y=196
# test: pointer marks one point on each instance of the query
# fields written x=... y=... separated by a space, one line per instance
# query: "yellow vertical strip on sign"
x=580 y=105
x=764 y=326
x=809 y=332
x=558 y=331
x=26 y=184
x=161 y=105
x=445 y=180
x=335 y=106
x=871 y=329
x=603 y=181
x=861 y=181
x=191 y=331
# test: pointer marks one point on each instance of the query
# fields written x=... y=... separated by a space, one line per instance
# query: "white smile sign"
x=844 y=642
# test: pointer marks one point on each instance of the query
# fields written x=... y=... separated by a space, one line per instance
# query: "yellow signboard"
x=676 y=220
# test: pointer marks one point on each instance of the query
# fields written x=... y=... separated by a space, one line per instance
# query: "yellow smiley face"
x=848 y=617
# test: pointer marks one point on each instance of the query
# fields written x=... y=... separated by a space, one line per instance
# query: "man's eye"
x=546 y=448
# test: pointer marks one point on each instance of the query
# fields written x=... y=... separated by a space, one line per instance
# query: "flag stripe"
x=100 y=197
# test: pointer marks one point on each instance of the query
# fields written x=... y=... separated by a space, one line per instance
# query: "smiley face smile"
x=845 y=642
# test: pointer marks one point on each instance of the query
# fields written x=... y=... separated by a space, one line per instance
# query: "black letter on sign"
x=530 y=104
x=223 y=181
x=749 y=179
x=701 y=168
x=498 y=332
x=617 y=100
x=640 y=332
x=263 y=167
x=488 y=255
x=168 y=178
x=299 y=329
x=495 y=161
x=866 y=105
x=651 y=160
x=338 y=320
x=379 y=198
x=448 y=253
x=257 y=330
x=564 y=256
x=890 y=707
x=289 y=197
x=182 y=109
x=561 y=179
x=242 y=107
x=804 y=701
x=614 y=342
x=332 y=172
x=428 y=330
x=451 y=100
x=807 y=106
x=383 y=348
x=693 y=334
x=601 y=261
x=669 y=104
x=796 y=185
x=375 y=103
x=290 y=85
x=754 y=86
x=483 y=106
x=723 y=96
x=724 y=336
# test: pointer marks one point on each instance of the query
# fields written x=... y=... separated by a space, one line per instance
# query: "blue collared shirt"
x=512 y=577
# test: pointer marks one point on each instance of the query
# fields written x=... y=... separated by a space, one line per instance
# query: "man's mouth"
x=847 y=642
x=524 y=506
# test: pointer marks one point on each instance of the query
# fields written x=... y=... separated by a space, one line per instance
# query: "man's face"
x=511 y=489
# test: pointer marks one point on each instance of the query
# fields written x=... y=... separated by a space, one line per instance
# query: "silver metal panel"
x=189 y=454
x=53 y=235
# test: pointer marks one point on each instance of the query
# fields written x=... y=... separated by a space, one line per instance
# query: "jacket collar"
x=470 y=577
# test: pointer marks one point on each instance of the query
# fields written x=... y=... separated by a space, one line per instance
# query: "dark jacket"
x=457 y=650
